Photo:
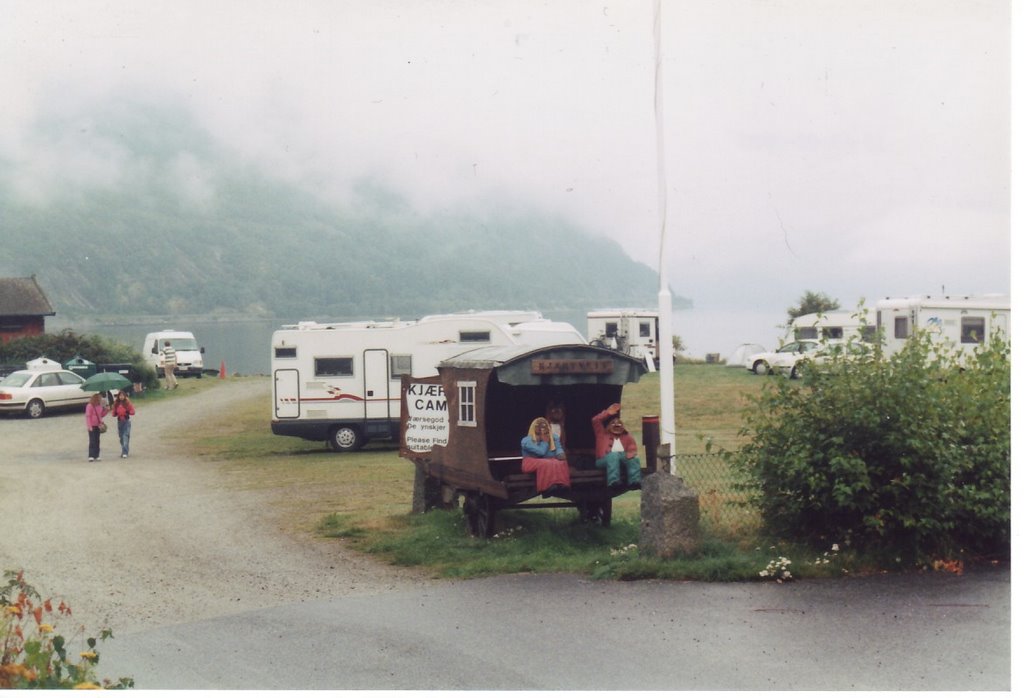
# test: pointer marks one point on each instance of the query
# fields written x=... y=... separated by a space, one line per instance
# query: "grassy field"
x=365 y=498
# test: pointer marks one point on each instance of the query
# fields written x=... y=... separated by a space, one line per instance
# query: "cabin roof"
x=23 y=296
x=514 y=364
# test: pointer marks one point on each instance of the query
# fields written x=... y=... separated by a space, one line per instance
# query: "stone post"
x=669 y=513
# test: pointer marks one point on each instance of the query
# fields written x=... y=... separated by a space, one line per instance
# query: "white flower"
x=835 y=547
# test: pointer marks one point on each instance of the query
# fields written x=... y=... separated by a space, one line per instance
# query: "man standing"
x=170 y=364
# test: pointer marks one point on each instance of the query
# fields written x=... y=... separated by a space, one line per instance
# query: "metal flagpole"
x=666 y=351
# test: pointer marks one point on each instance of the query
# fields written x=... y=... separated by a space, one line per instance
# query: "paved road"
x=552 y=632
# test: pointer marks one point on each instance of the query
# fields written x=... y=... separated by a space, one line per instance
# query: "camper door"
x=376 y=384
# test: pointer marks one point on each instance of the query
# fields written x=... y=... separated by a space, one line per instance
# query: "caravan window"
x=401 y=365
x=806 y=333
x=972 y=330
x=645 y=329
x=333 y=366
x=831 y=332
x=483 y=336
x=284 y=352
x=901 y=328
x=467 y=403
x=611 y=329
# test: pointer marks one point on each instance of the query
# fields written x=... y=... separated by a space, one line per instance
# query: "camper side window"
x=901 y=328
x=645 y=329
x=483 y=336
x=334 y=366
x=467 y=403
x=401 y=365
x=284 y=352
x=972 y=330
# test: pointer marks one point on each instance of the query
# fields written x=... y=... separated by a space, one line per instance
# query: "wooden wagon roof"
x=20 y=297
x=564 y=364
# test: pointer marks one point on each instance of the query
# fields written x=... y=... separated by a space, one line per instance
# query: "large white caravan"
x=959 y=322
x=631 y=331
x=836 y=325
x=341 y=382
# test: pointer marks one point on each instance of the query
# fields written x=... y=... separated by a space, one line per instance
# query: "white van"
x=190 y=354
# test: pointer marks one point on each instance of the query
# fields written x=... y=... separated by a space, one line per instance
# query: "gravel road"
x=157 y=538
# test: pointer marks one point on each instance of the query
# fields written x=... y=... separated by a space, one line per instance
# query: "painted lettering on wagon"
x=571 y=366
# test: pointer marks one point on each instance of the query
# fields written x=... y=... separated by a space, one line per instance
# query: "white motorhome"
x=631 y=331
x=341 y=382
x=960 y=322
x=836 y=325
x=189 y=353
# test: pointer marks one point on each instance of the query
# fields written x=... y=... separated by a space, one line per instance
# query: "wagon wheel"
x=593 y=512
x=480 y=514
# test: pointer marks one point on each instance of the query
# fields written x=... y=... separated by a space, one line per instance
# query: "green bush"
x=66 y=345
x=907 y=457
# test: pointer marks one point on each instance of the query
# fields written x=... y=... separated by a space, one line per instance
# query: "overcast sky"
x=859 y=147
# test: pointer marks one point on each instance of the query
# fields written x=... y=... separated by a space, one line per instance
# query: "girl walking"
x=95 y=411
x=123 y=409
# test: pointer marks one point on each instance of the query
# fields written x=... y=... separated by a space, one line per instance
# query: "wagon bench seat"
x=515 y=479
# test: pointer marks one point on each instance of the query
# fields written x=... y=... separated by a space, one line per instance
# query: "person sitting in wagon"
x=614 y=447
x=543 y=454
x=555 y=414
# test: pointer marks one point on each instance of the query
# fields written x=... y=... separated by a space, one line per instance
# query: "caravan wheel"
x=481 y=515
x=346 y=438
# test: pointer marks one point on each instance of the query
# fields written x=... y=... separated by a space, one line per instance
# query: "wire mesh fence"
x=725 y=506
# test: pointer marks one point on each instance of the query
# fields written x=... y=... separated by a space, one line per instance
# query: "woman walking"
x=123 y=409
x=95 y=411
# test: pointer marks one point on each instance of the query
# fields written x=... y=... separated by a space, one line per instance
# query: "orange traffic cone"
x=223 y=371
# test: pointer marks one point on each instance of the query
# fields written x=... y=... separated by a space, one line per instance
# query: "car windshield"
x=16 y=379
x=184 y=344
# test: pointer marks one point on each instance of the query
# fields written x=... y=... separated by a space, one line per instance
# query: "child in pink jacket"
x=95 y=411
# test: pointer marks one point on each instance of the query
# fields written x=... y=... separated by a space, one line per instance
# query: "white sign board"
x=427 y=423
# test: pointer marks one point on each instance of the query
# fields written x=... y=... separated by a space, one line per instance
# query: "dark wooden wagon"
x=463 y=427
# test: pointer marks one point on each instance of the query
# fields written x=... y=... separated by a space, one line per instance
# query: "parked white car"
x=37 y=391
x=788 y=359
x=783 y=359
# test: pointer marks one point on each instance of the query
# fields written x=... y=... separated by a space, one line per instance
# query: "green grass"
x=364 y=499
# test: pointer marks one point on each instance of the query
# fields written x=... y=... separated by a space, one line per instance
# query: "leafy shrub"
x=66 y=345
x=907 y=457
x=32 y=653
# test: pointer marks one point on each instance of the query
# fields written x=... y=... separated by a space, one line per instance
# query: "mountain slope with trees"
x=190 y=229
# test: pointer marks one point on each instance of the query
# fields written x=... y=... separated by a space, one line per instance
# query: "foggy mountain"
x=173 y=224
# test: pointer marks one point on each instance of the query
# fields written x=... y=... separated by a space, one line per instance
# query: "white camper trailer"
x=960 y=322
x=341 y=382
x=836 y=325
x=633 y=332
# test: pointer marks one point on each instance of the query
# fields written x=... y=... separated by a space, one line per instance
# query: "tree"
x=812 y=302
